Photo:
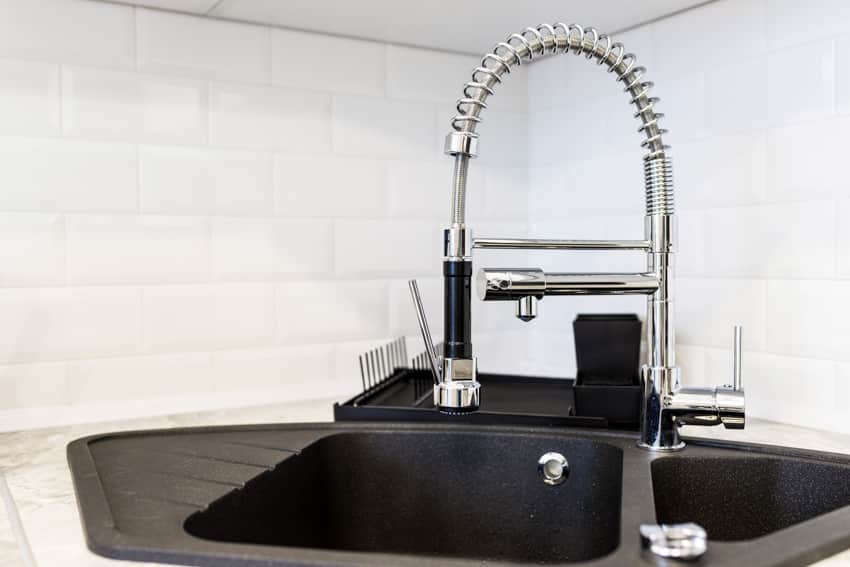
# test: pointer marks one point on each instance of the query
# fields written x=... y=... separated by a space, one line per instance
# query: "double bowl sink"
x=405 y=494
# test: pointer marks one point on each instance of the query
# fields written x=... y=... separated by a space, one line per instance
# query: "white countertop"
x=40 y=525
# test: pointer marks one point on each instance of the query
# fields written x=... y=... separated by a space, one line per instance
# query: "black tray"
x=505 y=400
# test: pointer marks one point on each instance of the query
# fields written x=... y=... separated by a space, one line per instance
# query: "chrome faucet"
x=666 y=404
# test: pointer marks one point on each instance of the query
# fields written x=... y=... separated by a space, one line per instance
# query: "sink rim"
x=800 y=544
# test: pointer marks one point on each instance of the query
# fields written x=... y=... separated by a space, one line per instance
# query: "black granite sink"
x=428 y=494
x=393 y=492
x=746 y=497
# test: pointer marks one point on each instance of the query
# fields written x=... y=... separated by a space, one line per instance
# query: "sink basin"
x=404 y=495
x=463 y=494
x=741 y=497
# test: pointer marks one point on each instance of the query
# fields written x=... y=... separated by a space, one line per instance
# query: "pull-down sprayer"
x=665 y=404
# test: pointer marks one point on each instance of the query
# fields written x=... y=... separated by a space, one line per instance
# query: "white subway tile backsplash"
x=325 y=311
x=773 y=386
x=505 y=352
x=403 y=316
x=138 y=377
x=422 y=189
x=65 y=175
x=340 y=174
x=842 y=75
x=116 y=249
x=764 y=96
x=29 y=98
x=784 y=240
x=842 y=385
x=197 y=317
x=791 y=22
x=805 y=161
x=548 y=83
x=119 y=105
x=383 y=127
x=708 y=309
x=811 y=94
x=386 y=248
x=684 y=105
x=691 y=362
x=806 y=318
x=690 y=39
x=607 y=185
x=256 y=117
x=319 y=186
x=76 y=32
x=691 y=244
x=721 y=171
x=842 y=246
x=305 y=371
x=66 y=323
x=504 y=139
x=202 y=47
x=246 y=249
x=506 y=192
x=427 y=75
x=323 y=62
x=32 y=249
x=176 y=180
x=33 y=385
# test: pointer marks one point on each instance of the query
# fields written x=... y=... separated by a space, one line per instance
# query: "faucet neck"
x=545 y=40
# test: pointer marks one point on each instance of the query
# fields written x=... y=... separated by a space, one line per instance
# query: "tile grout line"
x=15 y=523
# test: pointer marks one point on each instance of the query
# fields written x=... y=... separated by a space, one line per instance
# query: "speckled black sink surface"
x=405 y=494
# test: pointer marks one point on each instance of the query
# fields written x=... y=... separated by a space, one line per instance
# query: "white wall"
x=197 y=213
x=756 y=94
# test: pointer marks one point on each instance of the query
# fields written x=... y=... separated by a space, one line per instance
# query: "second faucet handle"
x=731 y=404
x=737 y=378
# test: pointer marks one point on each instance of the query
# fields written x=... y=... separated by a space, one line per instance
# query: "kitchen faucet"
x=665 y=403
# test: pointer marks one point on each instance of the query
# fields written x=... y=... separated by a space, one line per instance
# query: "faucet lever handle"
x=434 y=360
x=737 y=352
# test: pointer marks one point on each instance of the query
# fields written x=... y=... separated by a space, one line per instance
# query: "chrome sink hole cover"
x=553 y=468
x=674 y=541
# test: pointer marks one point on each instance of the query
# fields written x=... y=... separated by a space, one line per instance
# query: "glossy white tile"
x=177 y=180
x=373 y=248
x=120 y=249
x=67 y=323
x=126 y=106
x=202 y=47
x=322 y=62
x=254 y=249
x=32 y=249
x=29 y=98
x=203 y=317
x=329 y=186
x=67 y=175
x=350 y=310
x=256 y=117
x=383 y=127
x=78 y=32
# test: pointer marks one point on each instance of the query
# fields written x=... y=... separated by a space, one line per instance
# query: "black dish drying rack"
x=398 y=388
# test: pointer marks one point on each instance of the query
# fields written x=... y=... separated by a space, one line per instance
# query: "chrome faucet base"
x=458 y=397
x=662 y=448
x=459 y=390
